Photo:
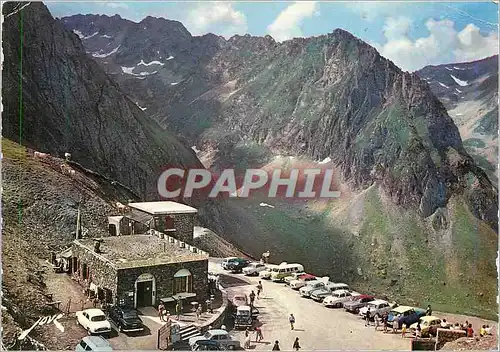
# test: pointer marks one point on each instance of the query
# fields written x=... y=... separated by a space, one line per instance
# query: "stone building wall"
x=102 y=273
x=164 y=278
x=184 y=227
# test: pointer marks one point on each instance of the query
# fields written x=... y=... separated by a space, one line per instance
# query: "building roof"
x=132 y=251
x=165 y=207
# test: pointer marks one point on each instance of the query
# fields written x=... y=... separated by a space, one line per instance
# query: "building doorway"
x=145 y=291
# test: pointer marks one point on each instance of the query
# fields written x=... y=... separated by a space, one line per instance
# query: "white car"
x=219 y=335
x=304 y=280
x=254 y=268
x=377 y=306
x=266 y=274
x=293 y=276
x=226 y=261
x=337 y=298
x=93 y=320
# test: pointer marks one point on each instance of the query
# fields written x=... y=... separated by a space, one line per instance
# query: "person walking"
x=368 y=317
x=276 y=346
x=291 y=319
x=296 y=345
x=161 y=308
x=258 y=334
x=384 y=321
x=252 y=298
x=259 y=289
x=429 y=310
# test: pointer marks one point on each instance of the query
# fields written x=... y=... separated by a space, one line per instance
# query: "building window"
x=169 y=223
x=183 y=281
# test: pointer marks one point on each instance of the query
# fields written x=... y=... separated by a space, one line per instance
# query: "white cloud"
x=117 y=5
x=218 y=17
x=287 y=24
x=443 y=44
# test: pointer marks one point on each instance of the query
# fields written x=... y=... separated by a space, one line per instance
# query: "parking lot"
x=316 y=327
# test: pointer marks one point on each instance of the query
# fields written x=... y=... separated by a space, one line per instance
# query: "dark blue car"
x=407 y=315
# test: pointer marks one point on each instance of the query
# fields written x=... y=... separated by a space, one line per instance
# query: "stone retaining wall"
x=447 y=335
x=219 y=317
x=423 y=344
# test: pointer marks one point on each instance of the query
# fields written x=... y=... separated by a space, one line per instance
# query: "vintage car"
x=285 y=270
x=428 y=324
x=376 y=306
x=219 y=335
x=337 y=298
x=93 y=343
x=293 y=276
x=302 y=281
x=237 y=265
x=207 y=345
x=93 y=320
x=320 y=293
x=227 y=261
x=239 y=300
x=254 y=268
x=357 y=303
x=126 y=319
x=266 y=274
x=311 y=286
x=405 y=314
x=244 y=317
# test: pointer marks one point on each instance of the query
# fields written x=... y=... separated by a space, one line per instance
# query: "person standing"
x=276 y=346
x=403 y=330
x=247 y=343
x=368 y=317
x=178 y=310
x=291 y=319
x=252 y=298
x=161 y=308
x=384 y=321
x=377 y=321
x=429 y=310
x=296 y=345
x=470 y=331
x=198 y=312
x=395 y=324
x=259 y=289
x=258 y=334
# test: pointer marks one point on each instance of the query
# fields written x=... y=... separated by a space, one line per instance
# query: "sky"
x=411 y=34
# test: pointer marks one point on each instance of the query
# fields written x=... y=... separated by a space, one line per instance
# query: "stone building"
x=137 y=270
x=171 y=218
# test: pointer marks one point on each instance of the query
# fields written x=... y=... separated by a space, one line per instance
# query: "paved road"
x=317 y=327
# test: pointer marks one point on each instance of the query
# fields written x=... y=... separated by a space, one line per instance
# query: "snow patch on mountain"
x=150 y=63
x=459 y=81
x=443 y=85
x=114 y=51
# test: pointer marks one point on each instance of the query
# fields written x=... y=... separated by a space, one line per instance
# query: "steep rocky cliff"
x=56 y=100
x=469 y=91
x=328 y=96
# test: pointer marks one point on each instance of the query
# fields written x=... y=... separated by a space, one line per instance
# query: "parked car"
x=243 y=317
x=93 y=320
x=227 y=261
x=311 y=286
x=93 y=343
x=337 y=298
x=302 y=281
x=219 y=335
x=428 y=324
x=266 y=274
x=405 y=314
x=376 y=306
x=126 y=319
x=320 y=294
x=254 y=268
x=237 y=265
x=357 y=303
x=293 y=276
x=239 y=300
x=207 y=345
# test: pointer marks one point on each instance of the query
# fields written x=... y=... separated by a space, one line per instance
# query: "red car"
x=357 y=303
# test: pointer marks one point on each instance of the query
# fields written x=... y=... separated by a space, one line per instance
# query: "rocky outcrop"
x=328 y=96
